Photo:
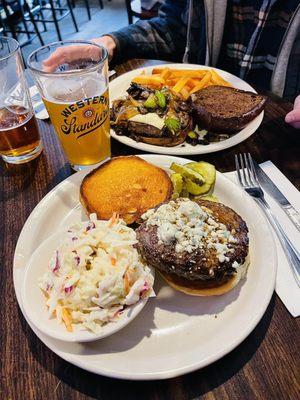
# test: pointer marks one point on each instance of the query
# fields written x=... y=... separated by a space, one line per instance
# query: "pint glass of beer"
x=19 y=136
x=75 y=93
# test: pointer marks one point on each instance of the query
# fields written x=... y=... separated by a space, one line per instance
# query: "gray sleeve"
x=162 y=37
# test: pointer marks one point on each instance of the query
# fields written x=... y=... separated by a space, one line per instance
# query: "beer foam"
x=70 y=90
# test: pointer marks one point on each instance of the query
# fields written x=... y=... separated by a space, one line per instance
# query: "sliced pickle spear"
x=210 y=197
x=184 y=192
x=188 y=173
x=195 y=189
x=208 y=171
x=177 y=182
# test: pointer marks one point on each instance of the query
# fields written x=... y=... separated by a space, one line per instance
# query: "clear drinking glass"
x=75 y=93
x=19 y=135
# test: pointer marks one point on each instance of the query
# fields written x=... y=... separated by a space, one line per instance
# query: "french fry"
x=209 y=84
x=193 y=82
x=171 y=82
x=181 y=81
x=188 y=86
x=191 y=74
x=180 y=84
x=202 y=83
x=179 y=73
x=185 y=93
x=217 y=79
x=158 y=70
x=165 y=73
x=67 y=319
x=149 y=80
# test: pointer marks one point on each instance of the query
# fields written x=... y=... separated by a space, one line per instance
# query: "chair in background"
x=15 y=13
x=134 y=9
x=58 y=12
x=87 y=6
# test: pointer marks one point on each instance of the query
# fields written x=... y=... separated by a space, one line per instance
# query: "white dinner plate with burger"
x=118 y=87
x=174 y=333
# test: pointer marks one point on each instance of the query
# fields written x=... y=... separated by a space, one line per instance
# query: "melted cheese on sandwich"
x=149 y=119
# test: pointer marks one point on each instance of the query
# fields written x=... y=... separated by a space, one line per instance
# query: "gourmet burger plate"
x=118 y=89
x=175 y=333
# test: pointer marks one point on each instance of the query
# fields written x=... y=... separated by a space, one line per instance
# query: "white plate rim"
x=259 y=312
x=239 y=137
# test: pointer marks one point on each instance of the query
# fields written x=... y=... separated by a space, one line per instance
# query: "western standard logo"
x=86 y=121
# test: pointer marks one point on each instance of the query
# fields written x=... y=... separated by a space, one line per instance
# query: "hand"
x=70 y=53
x=293 y=117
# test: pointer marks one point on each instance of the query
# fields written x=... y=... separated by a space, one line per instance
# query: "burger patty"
x=202 y=264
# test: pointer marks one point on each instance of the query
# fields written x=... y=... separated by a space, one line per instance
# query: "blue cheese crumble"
x=189 y=227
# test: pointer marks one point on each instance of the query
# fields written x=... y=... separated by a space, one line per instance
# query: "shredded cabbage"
x=95 y=273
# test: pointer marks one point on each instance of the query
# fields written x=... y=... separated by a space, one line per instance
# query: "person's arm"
x=293 y=117
x=162 y=37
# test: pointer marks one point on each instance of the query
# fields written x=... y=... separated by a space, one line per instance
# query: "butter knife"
x=268 y=185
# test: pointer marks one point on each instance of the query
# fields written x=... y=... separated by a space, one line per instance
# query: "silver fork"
x=248 y=180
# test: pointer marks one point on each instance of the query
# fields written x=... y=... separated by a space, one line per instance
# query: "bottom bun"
x=218 y=289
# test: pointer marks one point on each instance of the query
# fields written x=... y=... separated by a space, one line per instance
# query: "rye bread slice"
x=224 y=109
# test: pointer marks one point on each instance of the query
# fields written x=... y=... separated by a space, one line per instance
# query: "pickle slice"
x=210 y=197
x=195 y=189
x=207 y=170
x=188 y=173
x=177 y=182
x=184 y=192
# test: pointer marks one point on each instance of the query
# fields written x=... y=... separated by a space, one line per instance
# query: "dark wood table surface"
x=265 y=366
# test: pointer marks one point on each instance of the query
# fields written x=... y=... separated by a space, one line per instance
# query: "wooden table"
x=265 y=366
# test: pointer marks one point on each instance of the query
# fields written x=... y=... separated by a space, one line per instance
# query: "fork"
x=247 y=178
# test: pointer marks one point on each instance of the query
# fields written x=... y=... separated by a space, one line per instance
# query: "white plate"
x=118 y=87
x=34 y=304
x=175 y=333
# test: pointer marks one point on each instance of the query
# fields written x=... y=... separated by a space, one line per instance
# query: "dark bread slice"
x=224 y=109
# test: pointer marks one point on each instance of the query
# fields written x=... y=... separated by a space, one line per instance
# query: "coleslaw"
x=95 y=274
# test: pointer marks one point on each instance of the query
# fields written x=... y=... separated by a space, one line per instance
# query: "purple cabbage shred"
x=90 y=226
x=57 y=263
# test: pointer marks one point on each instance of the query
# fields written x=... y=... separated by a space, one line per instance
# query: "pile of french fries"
x=182 y=82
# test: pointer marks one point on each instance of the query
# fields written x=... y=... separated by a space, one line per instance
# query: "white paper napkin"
x=37 y=103
x=286 y=286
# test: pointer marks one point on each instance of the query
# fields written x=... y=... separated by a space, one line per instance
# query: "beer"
x=19 y=133
x=75 y=94
x=80 y=116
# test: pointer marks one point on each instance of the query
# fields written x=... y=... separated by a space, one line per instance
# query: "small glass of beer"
x=74 y=89
x=19 y=135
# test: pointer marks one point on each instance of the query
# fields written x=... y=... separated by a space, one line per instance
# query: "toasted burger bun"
x=126 y=185
x=206 y=288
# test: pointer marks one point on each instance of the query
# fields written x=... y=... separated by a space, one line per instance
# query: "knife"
x=277 y=195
